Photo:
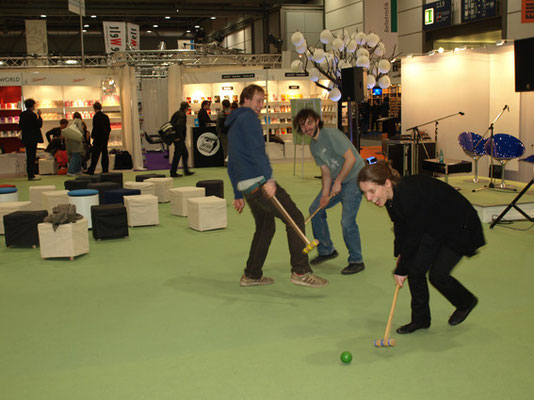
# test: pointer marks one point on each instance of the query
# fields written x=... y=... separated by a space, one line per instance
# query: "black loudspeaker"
x=352 y=84
x=524 y=59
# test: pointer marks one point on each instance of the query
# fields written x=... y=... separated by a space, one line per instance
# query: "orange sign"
x=527 y=11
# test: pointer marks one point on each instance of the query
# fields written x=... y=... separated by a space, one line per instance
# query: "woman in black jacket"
x=434 y=227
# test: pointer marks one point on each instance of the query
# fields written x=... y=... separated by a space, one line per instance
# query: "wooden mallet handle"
x=386 y=342
x=315 y=212
x=287 y=217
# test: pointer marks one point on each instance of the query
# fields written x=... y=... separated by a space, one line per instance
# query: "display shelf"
x=10 y=109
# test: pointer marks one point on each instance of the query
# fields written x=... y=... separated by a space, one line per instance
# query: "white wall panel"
x=517 y=30
x=410 y=21
x=330 y=5
x=403 y=5
x=412 y=43
x=345 y=16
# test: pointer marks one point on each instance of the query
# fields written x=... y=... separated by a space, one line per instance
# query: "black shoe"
x=412 y=327
x=188 y=173
x=35 y=178
x=175 y=175
x=353 y=268
x=88 y=172
x=458 y=316
x=319 y=258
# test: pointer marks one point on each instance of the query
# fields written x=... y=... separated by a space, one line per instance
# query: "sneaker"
x=245 y=281
x=308 y=279
x=319 y=259
x=353 y=268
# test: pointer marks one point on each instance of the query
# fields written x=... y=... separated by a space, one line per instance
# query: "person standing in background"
x=100 y=135
x=203 y=117
x=222 y=130
x=179 y=123
x=30 y=124
x=74 y=144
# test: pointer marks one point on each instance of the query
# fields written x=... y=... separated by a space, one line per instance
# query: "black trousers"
x=438 y=260
x=180 y=150
x=99 y=148
x=264 y=212
x=31 y=151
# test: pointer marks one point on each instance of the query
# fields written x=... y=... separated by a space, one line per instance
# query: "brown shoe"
x=255 y=282
x=308 y=279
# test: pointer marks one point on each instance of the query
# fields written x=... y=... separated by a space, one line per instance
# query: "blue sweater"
x=247 y=158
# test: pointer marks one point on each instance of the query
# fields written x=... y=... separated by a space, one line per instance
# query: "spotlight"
x=167 y=17
x=93 y=16
x=43 y=16
x=213 y=18
x=500 y=42
x=441 y=50
x=431 y=52
x=155 y=25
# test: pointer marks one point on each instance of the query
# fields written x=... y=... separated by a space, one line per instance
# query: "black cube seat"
x=141 y=178
x=116 y=196
x=102 y=187
x=21 y=227
x=111 y=177
x=109 y=221
x=214 y=187
x=91 y=178
x=75 y=184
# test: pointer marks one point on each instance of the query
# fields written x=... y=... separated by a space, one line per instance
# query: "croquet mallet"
x=316 y=211
x=386 y=341
x=309 y=245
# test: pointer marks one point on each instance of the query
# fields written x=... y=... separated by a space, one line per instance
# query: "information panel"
x=437 y=15
x=478 y=9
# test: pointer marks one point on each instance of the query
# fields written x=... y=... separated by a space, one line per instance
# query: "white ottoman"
x=10 y=207
x=9 y=194
x=144 y=187
x=83 y=199
x=54 y=198
x=179 y=196
x=47 y=167
x=142 y=210
x=206 y=213
x=162 y=188
x=36 y=198
x=68 y=240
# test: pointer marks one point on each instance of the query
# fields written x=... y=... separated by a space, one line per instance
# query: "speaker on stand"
x=354 y=89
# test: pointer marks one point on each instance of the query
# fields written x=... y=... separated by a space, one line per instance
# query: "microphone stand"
x=416 y=136
x=491 y=184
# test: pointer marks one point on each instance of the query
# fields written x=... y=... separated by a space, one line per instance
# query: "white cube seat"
x=9 y=194
x=68 y=240
x=145 y=187
x=9 y=207
x=54 y=198
x=47 y=167
x=142 y=210
x=36 y=198
x=83 y=199
x=179 y=196
x=206 y=213
x=162 y=188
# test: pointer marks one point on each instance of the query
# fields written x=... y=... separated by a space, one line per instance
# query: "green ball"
x=346 y=357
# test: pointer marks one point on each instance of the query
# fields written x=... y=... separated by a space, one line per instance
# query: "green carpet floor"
x=160 y=315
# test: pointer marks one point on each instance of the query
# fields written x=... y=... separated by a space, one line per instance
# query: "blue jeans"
x=75 y=163
x=350 y=198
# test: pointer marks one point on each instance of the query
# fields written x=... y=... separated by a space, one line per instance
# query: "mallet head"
x=313 y=244
x=384 y=343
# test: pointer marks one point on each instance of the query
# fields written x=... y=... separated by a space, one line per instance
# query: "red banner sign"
x=527 y=11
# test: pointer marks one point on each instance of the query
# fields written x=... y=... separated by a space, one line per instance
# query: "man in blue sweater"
x=340 y=165
x=252 y=179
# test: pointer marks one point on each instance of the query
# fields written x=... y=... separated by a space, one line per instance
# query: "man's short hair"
x=249 y=92
x=226 y=103
x=303 y=115
x=63 y=121
x=29 y=103
x=97 y=106
x=184 y=105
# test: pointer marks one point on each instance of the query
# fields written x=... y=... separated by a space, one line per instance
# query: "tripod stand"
x=513 y=205
x=491 y=184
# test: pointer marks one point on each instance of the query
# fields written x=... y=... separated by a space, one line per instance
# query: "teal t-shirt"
x=328 y=150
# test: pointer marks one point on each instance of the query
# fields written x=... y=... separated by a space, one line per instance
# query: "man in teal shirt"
x=340 y=165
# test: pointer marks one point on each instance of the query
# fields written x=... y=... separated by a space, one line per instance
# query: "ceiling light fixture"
x=167 y=17
x=86 y=26
x=188 y=31
x=197 y=26
x=155 y=25
x=84 y=30
x=43 y=16
x=500 y=42
x=149 y=31
x=93 y=16
x=213 y=17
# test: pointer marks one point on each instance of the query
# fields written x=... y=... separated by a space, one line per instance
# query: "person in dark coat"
x=203 y=117
x=30 y=124
x=178 y=122
x=55 y=141
x=100 y=135
x=434 y=227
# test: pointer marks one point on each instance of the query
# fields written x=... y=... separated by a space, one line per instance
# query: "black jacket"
x=203 y=118
x=101 y=128
x=178 y=122
x=30 y=124
x=422 y=205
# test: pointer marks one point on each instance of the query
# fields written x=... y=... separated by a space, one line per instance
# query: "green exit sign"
x=429 y=16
